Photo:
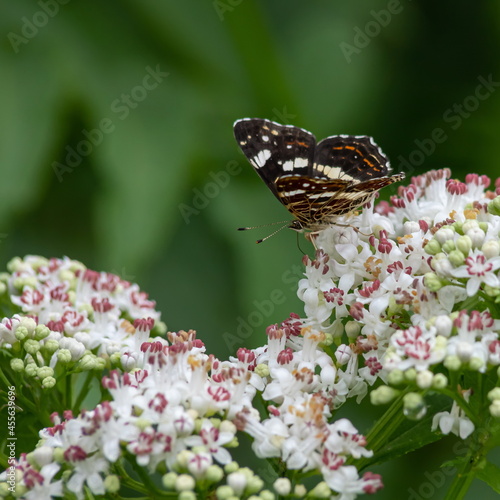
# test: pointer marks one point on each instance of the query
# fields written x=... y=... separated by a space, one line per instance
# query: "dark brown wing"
x=350 y=157
x=275 y=150
x=318 y=202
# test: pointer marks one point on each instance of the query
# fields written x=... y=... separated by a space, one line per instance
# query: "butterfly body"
x=316 y=182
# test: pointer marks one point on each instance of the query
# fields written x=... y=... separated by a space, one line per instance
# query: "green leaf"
x=490 y=474
x=417 y=436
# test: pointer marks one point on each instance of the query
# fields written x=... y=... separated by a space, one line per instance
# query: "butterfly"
x=316 y=182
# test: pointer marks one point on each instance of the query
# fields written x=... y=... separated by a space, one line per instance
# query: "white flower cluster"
x=159 y=415
x=71 y=317
x=414 y=286
x=178 y=411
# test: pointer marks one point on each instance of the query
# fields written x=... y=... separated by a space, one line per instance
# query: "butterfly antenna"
x=264 y=225
x=272 y=234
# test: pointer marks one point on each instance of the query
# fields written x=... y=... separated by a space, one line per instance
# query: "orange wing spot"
x=299 y=143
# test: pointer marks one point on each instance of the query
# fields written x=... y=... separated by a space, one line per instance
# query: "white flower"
x=478 y=269
x=213 y=440
x=455 y=422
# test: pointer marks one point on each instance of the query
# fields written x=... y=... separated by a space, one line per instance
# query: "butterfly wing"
x=351 y=158
x=318 y=202
x=309 y=199
x=275 y=150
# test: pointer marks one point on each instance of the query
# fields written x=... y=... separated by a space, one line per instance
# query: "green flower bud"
x=433 y=282
x=184 y=482
x=352 y=329
x=453 y=363
x=45 y=371
x=29 y=324
x=224 y=492
x=15 y=264
x=321 y=490
x=31 y=346
x=444 y=234
x=283 y=486
x=433 y=247
x=87 y=362
x=328 y=340
x=383 y=395
x=112 y=483
x=59 y=455
x=17 y=365
x=476 y=364
x=262 y=370
x=484 y=226
x=64 y=356
x=187 y=495
x=491 y=248
x=411 y=374
x=231 y=467
x=424 y=379
x=41 y=332
x=456 y=257
x=143 y=424
x=21 y=333
x=494 y=394
x=115 y=358
x=86 y=308
x=449 y=246
x=494 y=206
x=168 y=480
x=48 y=382
x=458 y=227
x=5 y=489
x=267 y=495
x=100 y=363
x=183 y=457
x=254 y=485
x=440 y=381
x=300 y=490
x=396 y=377
x=214 y=474
x=495 y=408
x=22 y=281
x=31 y=369
x=3 y=288
x=414 y=406
x=234 y=443
x=464 y=244
x=469 y=224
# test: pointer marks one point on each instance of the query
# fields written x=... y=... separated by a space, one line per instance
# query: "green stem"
x=464 y=477
x=83 y=393
x=381 y=432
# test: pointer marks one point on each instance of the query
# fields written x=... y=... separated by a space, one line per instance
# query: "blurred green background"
x=116 y=143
